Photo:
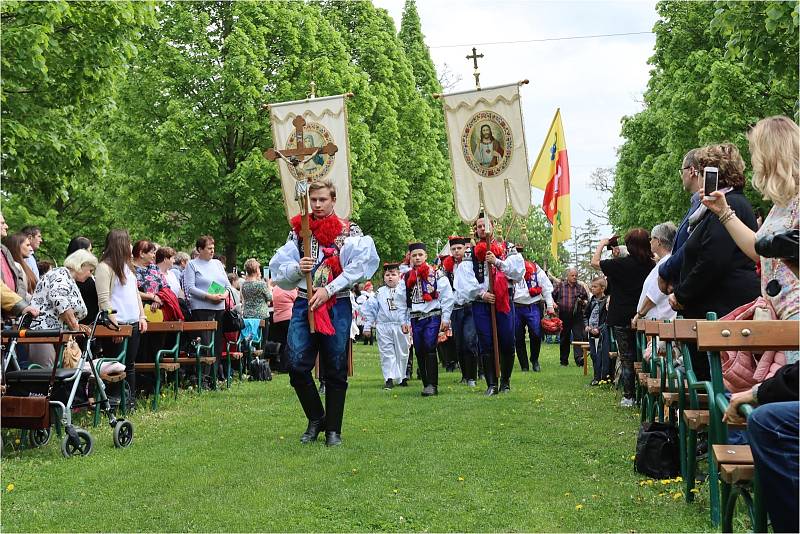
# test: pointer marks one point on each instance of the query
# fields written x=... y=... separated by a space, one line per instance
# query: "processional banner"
x=325 y=123
x=487 y=151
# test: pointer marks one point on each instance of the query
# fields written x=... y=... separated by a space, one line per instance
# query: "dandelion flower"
x=10 y=488
x=567 y=494
x=694 y=490
x=461 y=479
x=678 y=495
x=579 y=507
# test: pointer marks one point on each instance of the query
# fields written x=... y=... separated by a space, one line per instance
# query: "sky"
x=595 y=82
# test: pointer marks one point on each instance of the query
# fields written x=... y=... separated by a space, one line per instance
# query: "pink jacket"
x=742 y=370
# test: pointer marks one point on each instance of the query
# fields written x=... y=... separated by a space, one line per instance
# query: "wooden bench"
x=162 y=361
x=197 y=359
x=732 y=465
x=584 y=346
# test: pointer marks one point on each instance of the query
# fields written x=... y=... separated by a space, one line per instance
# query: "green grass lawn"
x=554 y=455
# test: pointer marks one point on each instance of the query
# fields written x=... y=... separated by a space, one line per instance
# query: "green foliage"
x=61 y=64
x=191 y=129
x=705 y=87
x=430 y=175
x=534 y=232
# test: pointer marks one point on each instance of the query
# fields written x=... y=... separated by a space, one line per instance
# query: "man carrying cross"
x=340 y=257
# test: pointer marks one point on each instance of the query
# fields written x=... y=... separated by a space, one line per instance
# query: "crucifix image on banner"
x=307 y=129
x=488 y=155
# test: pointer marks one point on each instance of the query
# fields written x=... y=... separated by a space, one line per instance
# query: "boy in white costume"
x=388 y=313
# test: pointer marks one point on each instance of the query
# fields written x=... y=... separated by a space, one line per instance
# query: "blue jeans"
x=426 y=334
x=773 y=433
x=304 y=346
x=466 y=340
x=599 y=347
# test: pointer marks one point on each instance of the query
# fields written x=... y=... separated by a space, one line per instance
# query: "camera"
x=710 y=180
x=783 y=245
x=613 y=241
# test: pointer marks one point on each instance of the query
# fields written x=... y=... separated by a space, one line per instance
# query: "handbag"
x=742 y=369
x=71 y=354
x=232 y=320
x=657 y=451
x=31 y=413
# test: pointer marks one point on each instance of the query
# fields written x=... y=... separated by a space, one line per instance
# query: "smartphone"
x=265 y=273
x=710 y=180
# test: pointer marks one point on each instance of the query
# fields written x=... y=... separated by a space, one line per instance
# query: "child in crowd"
x=388 y=312
x=597 y=330
x=430 y=298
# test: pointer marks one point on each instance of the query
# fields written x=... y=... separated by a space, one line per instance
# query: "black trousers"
x=111 y=350
x=279 y=332
x=219 y=337
x=573 y=330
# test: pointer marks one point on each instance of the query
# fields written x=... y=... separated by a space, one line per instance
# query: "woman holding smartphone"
x=716 y=276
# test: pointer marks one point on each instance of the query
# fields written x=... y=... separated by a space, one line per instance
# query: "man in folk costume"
x=500 y=261
x=388 y=313
x=430 y=298
x=341 y=256
x=531 y=295
x=461 y=321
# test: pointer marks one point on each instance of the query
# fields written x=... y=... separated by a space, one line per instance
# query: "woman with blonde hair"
x=774 y=145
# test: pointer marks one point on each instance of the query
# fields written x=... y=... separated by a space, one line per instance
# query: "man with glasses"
x=692 y=178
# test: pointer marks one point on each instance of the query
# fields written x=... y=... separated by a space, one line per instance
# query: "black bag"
x=259 y=370
x=657 y=451
x=232 y=320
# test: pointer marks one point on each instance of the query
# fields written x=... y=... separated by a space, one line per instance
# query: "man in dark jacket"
x=772 y=430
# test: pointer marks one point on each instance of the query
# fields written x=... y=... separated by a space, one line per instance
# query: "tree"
x=701 y=91
x=534 y=233
x=191 y=129
x=602 y=181
x=61 y=64
x=583 y=245
x=433 y=181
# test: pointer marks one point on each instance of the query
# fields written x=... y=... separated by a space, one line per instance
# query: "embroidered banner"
x=486 y=138
x=326 y=122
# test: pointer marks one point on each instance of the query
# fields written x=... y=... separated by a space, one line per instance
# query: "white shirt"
x=662 y=310
x=388 y=306
x=523 y=296
x=125 y=298
x=358 y=257
x=467 y=286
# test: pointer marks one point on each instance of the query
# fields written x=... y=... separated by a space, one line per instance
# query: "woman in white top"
x=165 y=259
x=653 y=304
x=117 y=289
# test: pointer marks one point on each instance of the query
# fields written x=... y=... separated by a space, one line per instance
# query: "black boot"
x=312 y=406
x=334 y=406
x=432 y=370
x=506 y=367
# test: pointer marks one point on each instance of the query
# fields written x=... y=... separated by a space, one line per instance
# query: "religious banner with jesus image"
x=325 y=124
x=487 y=147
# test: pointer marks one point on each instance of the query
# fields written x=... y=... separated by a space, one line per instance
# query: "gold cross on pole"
x=294 y=157
x=474 y=57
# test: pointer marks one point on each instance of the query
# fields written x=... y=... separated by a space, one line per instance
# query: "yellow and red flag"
x=551 y=174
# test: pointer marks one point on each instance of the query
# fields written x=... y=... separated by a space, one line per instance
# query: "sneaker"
x=429 y=391
x=594 y=382
x=389 y=384
x=471 y=383
x=626 y=403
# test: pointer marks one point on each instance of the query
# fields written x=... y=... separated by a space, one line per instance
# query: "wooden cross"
x=294 y=156
x=474 y=57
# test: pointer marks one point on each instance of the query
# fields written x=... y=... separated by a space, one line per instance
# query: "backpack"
x=657 y=451
x=259 y=370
